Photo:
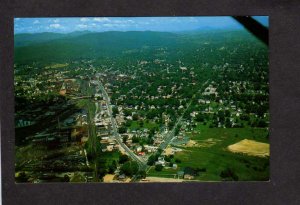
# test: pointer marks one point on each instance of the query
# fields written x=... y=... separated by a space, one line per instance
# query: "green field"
x=215 y=157
x=149 y=125
x=109 y=157
x=166 y=173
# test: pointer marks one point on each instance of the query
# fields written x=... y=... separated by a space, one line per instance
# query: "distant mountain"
x=25 y=39
x=86 y=44
x=89 y=44
x=77 y=33
x=206 y=29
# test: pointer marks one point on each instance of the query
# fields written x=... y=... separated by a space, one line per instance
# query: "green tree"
x=141 y=123
x=128 y=123
x=130 y=168
x=227 y=122
x=159 y=167
x=261 y=123
x=122 y=130
x=227 y=113
x=142 y=174
x=167 y=158
x=66 y=178
x=228 y=174
x=199 y=118
x=112 y=167
x=135 y=117
x=125 y=138
x=115 y=111
x=123 y=158
x=151 y=160
x=127 y=112
x=22 y=177
x=135 y=139
x=177 y=129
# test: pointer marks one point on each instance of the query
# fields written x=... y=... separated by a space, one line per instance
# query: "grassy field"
x=166 y=173
x=149 y=125
x=215 y=157
x=109 y=157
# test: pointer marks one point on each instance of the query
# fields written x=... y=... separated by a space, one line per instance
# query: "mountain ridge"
x=114 y=43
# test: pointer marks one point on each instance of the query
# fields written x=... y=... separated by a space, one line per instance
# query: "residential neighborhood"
x=160 y=107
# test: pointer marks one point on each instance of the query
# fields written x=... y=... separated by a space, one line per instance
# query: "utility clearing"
x=250 y=147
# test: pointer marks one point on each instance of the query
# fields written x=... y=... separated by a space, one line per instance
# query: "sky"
x=100 y=24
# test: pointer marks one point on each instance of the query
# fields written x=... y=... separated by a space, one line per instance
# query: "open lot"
x=161 y=179
x=215 y=158
x=251 y=147
x=149 y=125
x=165 y=173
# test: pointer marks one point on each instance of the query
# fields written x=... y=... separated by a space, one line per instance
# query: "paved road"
x=142 y=163
x=167 y=138
x=170 y=135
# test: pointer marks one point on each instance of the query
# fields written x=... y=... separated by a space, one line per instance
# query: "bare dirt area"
x=191 y=143
x=171 y=150
x=168 y=151
x=202 y=143
x=250 y=147
x=108 y=178
x=161 y=179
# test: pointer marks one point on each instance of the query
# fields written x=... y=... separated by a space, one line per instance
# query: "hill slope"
x=25 y=39
x=109 y=44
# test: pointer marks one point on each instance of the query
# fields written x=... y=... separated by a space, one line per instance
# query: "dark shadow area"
x=257 y=29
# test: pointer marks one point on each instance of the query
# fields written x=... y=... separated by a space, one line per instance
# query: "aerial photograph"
x=141 y=99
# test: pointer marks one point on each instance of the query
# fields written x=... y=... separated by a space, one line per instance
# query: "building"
x=122 y=177
x=180 y=174
x=161 y=161
x=139 y=149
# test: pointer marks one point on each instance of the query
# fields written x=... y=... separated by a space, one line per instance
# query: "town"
x=152 y=114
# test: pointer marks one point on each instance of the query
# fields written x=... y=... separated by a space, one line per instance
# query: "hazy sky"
x=66 y=25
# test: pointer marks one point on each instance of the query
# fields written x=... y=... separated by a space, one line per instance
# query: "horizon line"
x=161 y=31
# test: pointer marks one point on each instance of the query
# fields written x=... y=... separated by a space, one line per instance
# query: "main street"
x=167 y=138
x=142 y=163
